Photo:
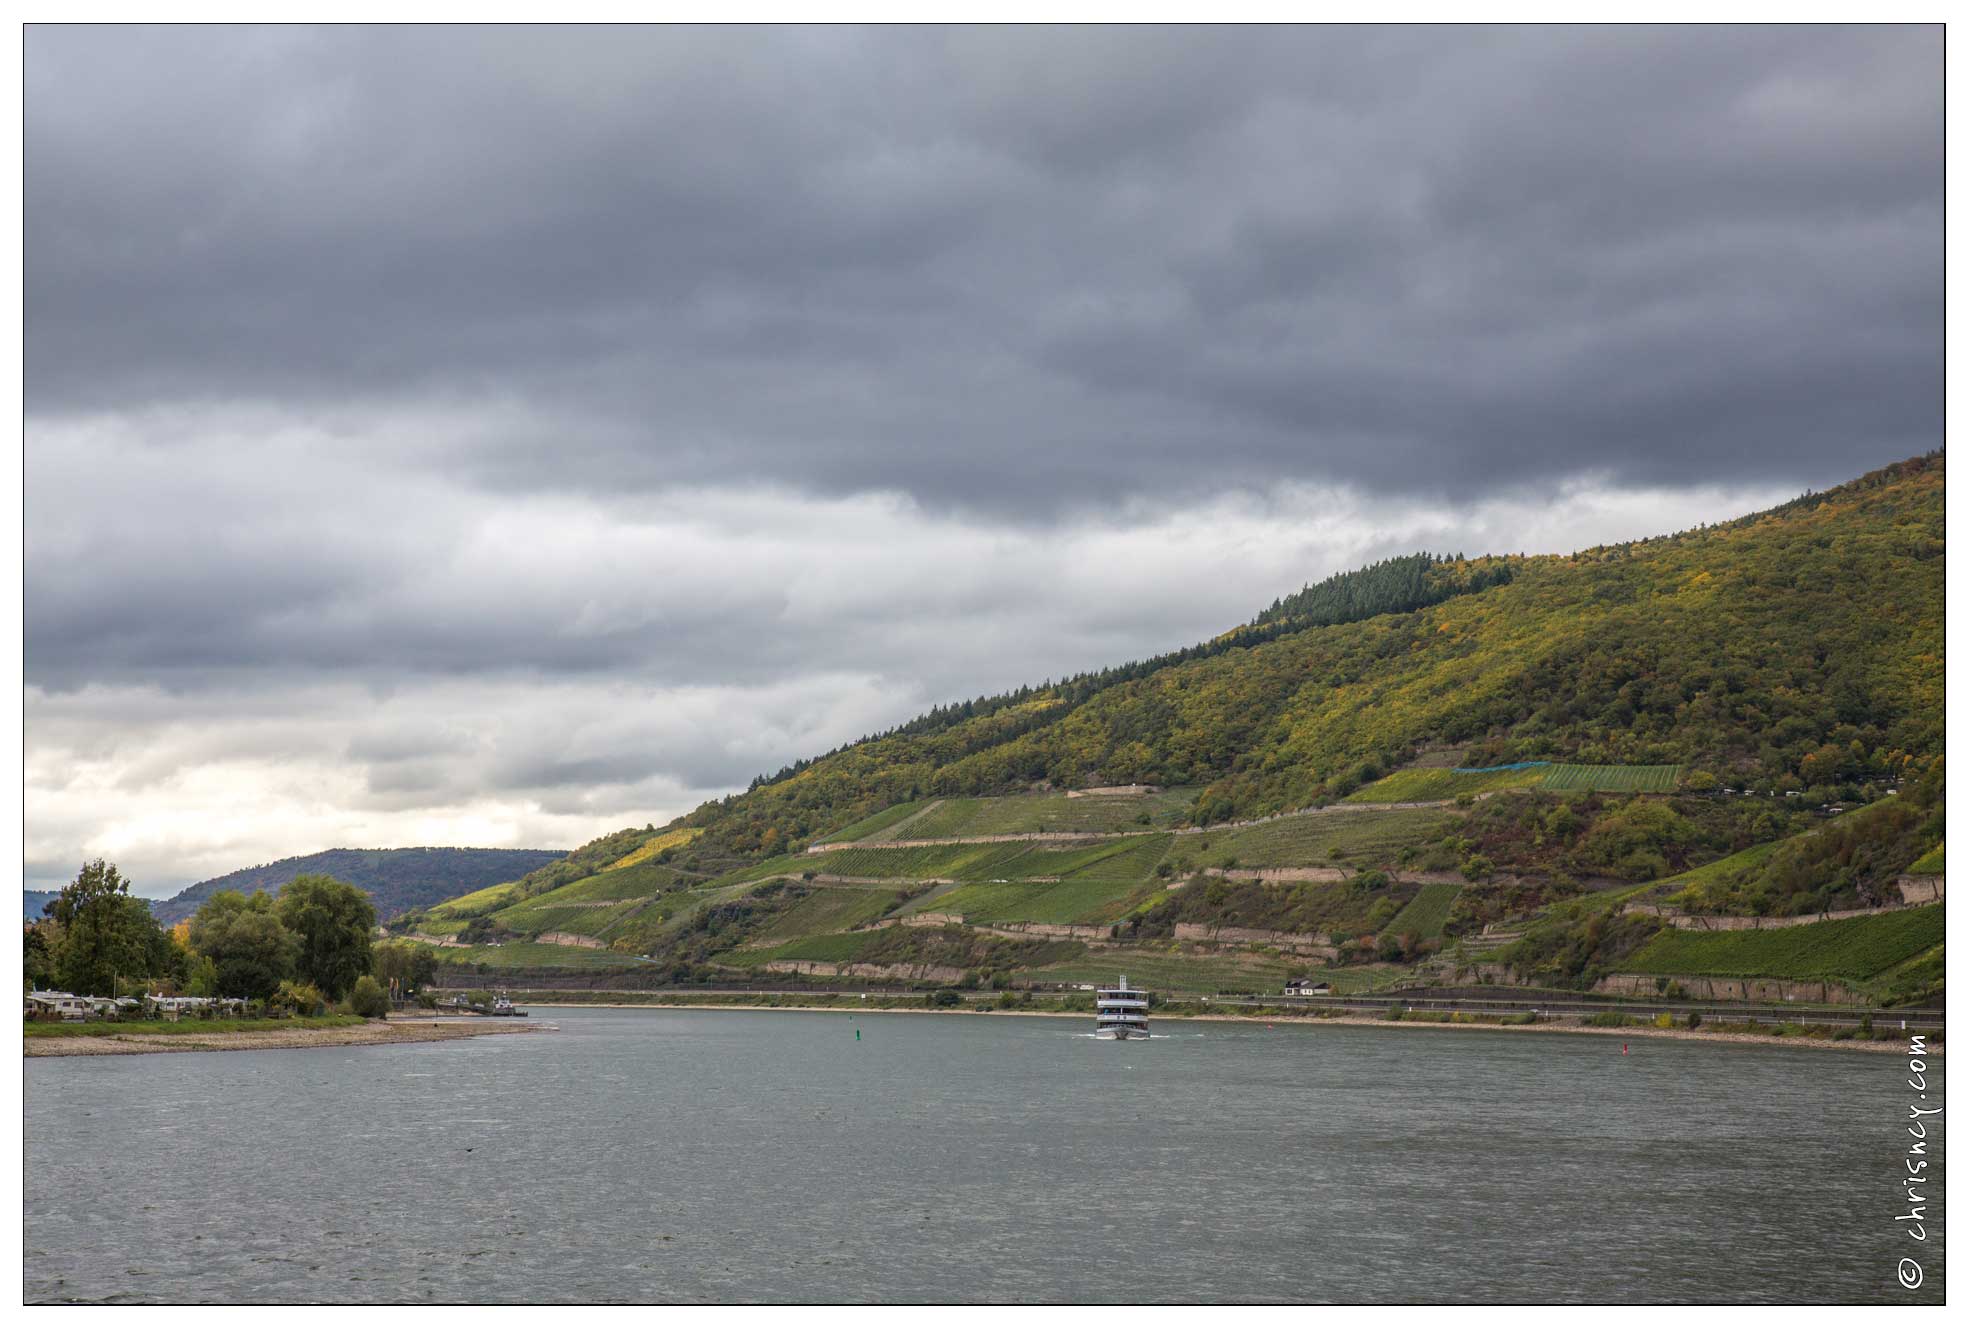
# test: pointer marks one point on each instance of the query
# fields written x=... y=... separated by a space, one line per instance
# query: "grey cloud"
x=1012 y=269
x=538 y=430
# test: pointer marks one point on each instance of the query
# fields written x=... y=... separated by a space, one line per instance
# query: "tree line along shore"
x=300 y=968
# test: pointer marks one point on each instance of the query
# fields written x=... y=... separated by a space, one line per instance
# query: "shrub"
x=292 y=998
x=1695 y=1019
x=368 y=999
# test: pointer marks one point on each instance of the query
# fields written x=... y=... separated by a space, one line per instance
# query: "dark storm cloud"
x=501 y=436
x=1019 y=271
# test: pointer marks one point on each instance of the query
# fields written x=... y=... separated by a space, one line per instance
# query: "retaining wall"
x=1920 y=890
x=573 y=939
x=1731 y=989
x=1299 y=943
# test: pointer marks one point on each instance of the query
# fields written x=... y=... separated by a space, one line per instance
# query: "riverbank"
x=136 y=1039
x=1680 y=1033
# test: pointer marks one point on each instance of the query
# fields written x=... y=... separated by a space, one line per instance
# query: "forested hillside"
x=395 y=879
x=1392 y=772
x=1799 y=648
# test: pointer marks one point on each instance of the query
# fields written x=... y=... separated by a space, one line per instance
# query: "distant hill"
x=396 y=879
x=35 y=899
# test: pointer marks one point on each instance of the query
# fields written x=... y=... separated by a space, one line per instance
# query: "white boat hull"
x=1121 y=1012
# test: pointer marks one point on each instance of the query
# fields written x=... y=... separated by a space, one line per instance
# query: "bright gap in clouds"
x=536 y=671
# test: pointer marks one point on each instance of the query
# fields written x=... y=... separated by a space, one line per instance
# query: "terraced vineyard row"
x=1425 y=915
x=832 y=909
x=1612 y=779
x=1373 y=837
x=880 y=821
x=1431 y=783
x=1040 y=902
x=622 y=883
x=1849 y=949
x=1029 y=813
x=1128 y=857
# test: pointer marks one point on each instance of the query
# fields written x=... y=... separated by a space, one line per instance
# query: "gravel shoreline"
x=257 y=1040
x=1679 y=1033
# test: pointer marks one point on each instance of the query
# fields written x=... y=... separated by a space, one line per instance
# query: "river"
x=772 y=1156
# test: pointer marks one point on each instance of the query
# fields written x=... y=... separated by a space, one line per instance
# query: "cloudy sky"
x=498 y=437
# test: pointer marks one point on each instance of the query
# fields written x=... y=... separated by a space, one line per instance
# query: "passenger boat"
x=1121 y=1011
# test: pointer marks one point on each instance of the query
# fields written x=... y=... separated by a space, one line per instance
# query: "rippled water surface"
x=770 y=1156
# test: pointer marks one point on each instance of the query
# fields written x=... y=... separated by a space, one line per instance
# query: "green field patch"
x=1125 y=858
x=1425 y=915
x=1429 y=784
x=1090 y=901
x=831 y=909
x=645 y=925
x=1612 y=779
x=1024 y=814
x=1923 y=975
x=1846 y=949
x=1369 y=837
x=772 y=867
x=591 y=906
x=880 y=821
x=575 y=907
x=1132 y=861
x=631 y=883
x=1929 y=864
x=916 y=863
x=531 y=919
